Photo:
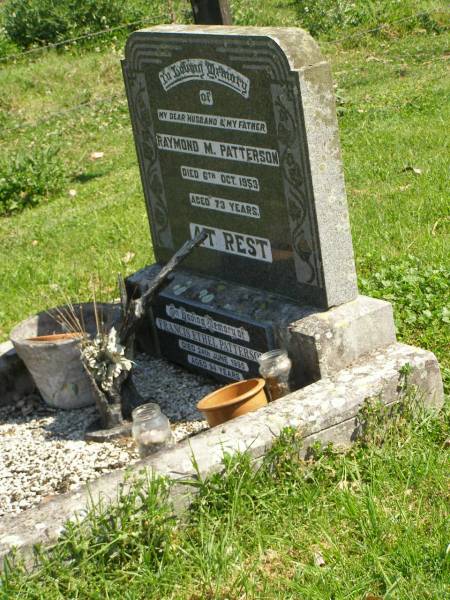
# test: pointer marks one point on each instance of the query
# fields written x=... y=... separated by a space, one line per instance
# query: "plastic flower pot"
x=52 y=354
x=233 y=400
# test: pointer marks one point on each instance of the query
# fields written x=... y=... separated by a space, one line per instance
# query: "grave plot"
x=236 y=136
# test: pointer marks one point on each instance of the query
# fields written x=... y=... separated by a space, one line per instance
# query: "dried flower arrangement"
x=107 y=356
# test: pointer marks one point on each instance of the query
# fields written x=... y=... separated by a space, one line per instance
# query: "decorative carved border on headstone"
x=291 y=134
x=144 y=134
x=305 y=246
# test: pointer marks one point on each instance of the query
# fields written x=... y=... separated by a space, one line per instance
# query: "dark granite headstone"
x=236 y=133
x=229 y=141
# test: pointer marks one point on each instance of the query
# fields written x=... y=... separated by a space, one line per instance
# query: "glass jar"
x=275 y=366
x=151 y=429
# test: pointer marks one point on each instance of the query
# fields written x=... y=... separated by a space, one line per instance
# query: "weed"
x=283 y=458
x=35 y=21
x=31 y=22
x=419 y=294
x=6 y=45
x=222 y=489
x=136 y=530
x=29 y=177
x=385 y=18
x=417 y=291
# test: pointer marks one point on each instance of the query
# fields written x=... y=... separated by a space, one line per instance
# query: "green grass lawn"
x=377 y=514
x=371 y=523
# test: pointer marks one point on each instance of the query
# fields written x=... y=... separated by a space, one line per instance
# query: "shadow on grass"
x=86 y=177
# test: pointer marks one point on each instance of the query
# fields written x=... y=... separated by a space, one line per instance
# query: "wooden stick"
x=135 y=310
x=211 y=12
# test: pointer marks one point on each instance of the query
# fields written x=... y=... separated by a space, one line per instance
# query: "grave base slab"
x=320 y=342
x=324 y=342
x=325 y=411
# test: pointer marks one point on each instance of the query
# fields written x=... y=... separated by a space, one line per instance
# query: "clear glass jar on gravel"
x=151 y=429
x=275 y=366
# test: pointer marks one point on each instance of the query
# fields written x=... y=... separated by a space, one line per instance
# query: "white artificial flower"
x=105 y=359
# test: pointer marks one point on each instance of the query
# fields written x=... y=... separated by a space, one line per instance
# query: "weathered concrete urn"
x=55 y=365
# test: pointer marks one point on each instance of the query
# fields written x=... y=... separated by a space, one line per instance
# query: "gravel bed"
x=43 y=452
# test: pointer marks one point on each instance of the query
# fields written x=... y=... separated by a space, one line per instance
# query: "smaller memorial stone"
x=194 y=333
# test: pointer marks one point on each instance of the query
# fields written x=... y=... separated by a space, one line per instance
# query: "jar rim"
x=273 y=355
x=148 y=410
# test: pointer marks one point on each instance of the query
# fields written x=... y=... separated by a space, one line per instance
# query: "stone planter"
x=54 y=360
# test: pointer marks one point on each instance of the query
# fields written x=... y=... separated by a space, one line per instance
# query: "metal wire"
x=151 y=19
x=121 y=97
x=342 y=71
x=84 y=106
x=363 y=32
x=78 y=38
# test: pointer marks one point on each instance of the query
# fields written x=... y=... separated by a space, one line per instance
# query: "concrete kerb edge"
x=325 y=410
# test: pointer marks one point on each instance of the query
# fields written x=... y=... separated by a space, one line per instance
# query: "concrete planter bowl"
x=53 y=357
x=233 y=400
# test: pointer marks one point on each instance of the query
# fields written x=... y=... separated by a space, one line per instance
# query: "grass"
x=367 y=523
x=376 y=514
x=391 y=87
x=32 y=26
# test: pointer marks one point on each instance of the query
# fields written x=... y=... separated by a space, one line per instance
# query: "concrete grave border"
x=323 y=411
x=15 y=380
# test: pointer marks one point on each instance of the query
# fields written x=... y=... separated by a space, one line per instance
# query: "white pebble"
x=45 y=454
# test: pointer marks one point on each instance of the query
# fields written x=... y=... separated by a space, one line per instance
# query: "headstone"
x=236 y=133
